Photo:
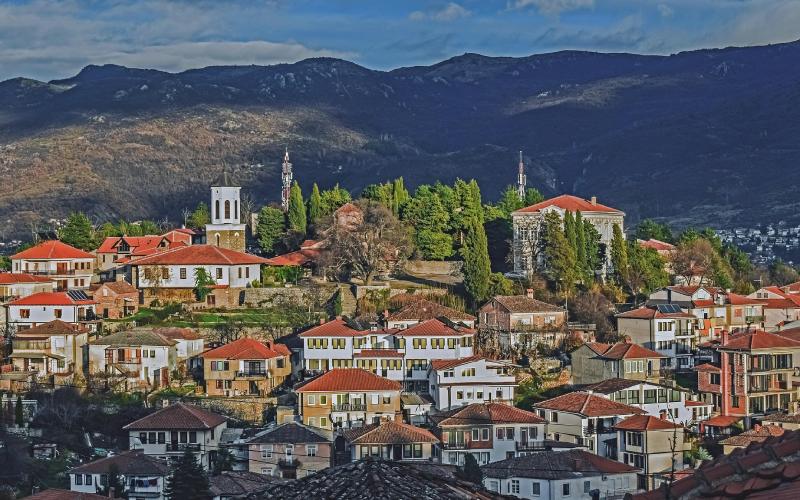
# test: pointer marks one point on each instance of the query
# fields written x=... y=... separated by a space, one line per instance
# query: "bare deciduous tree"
x=693 y=260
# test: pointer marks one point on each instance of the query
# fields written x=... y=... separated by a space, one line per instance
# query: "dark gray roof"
x=240 y=484
x=612 y=385
x=372 y=478
x=134 y=338
x=555 y=465
x=292 y=432
x=128 y=462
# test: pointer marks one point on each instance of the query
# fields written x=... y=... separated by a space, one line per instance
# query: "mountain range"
x=707 y=137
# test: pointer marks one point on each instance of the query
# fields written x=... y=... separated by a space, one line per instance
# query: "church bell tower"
x=226 y=229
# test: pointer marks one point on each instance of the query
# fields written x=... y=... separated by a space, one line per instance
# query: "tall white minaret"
x=286 y=176
x=521 y=179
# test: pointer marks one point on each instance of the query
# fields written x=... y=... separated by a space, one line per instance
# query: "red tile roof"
x=721 y=421
x=646 y=423
x=389 y=432
x=52 y=249
x=707 y=367
x=657 y=245
x=790 y=302
x=139 y=245
x=199 y=254
x=569 y=203
x=349 y=379
x=13 y=278
x=757 y=434
x=623 y=350
x=246 y=348
x=378 y=353
x=740 y=300
x=55 y=327
x=488 y=413
x=645 y=312
x=177 y=333
x=178 y=416
x=446 y=364
x=759 y=339
x=690 y=403
x=434 y=327
x=59 y=494
x=333 y=328
x=118 y=287
x=423 y=309
x=297 y=258
x=589 y=405
x=50 y=299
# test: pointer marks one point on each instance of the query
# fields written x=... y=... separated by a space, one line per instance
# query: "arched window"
x=216 y=210
x=216 y=238
x=227 y=209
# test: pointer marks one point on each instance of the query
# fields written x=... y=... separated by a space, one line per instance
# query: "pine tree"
x=477 y=267
x=271 y=225
x=532 y=197
x=200 y=217
x=297 y=210
x=78 y=232
x=314 y=205
x=580 y=247
x=187 y=481
x=619 y=254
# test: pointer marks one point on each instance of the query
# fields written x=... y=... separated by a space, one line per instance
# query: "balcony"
x=288 y=463
x=459 y=445
x=252 y=374
x=181 y=447
x=753 y=319
x=530 y=446
x=591 y=430
x=350 y=407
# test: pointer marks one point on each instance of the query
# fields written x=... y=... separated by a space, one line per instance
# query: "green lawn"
x=246 y=317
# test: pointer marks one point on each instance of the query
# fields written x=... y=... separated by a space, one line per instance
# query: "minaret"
x=286 y=176
x=521 y=179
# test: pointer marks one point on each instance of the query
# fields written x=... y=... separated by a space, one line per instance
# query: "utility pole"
x=286 y=176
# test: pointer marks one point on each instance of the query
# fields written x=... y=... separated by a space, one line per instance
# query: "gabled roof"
x=646 y=423
x=525 y=304
x=51 y=299
x=118 y=287
x=569 y=203
x=423 y=309
x=757 y=434
x=55 y=327
x=646 y=312
x=240 y=484
x=177 y=333
x=707 y=367
x=198 y=255
x=622 y=350
x=487 y=413
x=741 y=300
x=349 y=379
x=571 y=464
x=612 y=385
x=52 y=249
x=758 y=339
x=334 y=328
x=132 y=338
x=246 y=348
x=133 y=462
x=590 y=405
x=435 y=328
x=139 y=245
x=59 y=494
x=446 y=364
x=389 y=432
x=178 y=416
x=656 y=245
x=790 y=418
x=291 y=432
x=14 y=278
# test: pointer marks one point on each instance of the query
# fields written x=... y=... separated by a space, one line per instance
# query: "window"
x=323 y=422
x=510 y=433
x=565 y=489
x=79 y=479
x=162 y=437
x=514 y=486
x=152 y=353
x=484 y=434
x=88 y=479
x=715 y=378
x=387 y=399
x=240 y=273
x=182 y=273
x=24 y=313
x=312 y=421
x=323 y=399
x=227 y=209
x=192 y=436
x=143 y=437
x=164 y=273
x=536 y=489
x=634 y=438
x=57 y=313
x=587 y=485
x=219 y=273
x=311 y=450
x=476 y=434
x=151 y=437
x=312 y=400
x=554 y=417
x=266 y=451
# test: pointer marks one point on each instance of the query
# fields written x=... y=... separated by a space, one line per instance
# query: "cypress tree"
x=569 y=230
x=477 y=267
x=297 y=210
x=188 y=480
x=271 y=225
x=314 y=205
x=399 y=195
x=19 y=416
x=619 y=253
x=580 y=245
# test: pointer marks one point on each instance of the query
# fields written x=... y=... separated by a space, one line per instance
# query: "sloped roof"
x=612 y=385
x=178 y=416
x=136 y=337
x=525 y=304
x=569 y=203
x=792 y=418
x=389 y=432
x=334 y=328
x=292 y=432
x=707 y=367
x=423 y=309
x=177 y=333
x=623 y=350
x=55 y=327
x=646 y=423
x=131 y=462
x=378 y=353
x=646 y=312
x=139 y=245
x=59 y=494
x=741 y=300
x=300 y=257
x=758 y=339
x=199 y=254
x=757 y=434
x=52 y=249
x=721 y=421
x=590 y=405
x=436 y=328
x=446 y=364
x=374 y=478
x=570 y=464
x=14 y=278
x=349 y=379
x=657 y=245
x=51 y=299
x=119 y=287
x=246 y=348
x=240 y=483
x=487 y=413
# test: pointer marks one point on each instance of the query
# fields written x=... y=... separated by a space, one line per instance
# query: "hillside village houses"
x=459 y=382
x=66 y=266
x=73 y=307
x=245 y=366
x=595 y=362
x=141 y=358
x=521 y=320
x=20 y=285
x=50 y=349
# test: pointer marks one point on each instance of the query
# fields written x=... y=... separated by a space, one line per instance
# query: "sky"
x=50 y=39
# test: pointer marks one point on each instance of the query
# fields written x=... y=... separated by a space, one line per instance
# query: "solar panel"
x=668 y=308
x=77 y=295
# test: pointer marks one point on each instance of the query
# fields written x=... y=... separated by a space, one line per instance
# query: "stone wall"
x=266 y=297
x=448 y=268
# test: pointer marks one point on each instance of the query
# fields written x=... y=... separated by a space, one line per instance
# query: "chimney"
x=268 y=344
x=594 y=200
x=724 y=337
x=322 y=321
x=529 y=293
x=338 y=318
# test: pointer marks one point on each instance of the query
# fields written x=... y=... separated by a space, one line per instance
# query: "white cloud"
x=553 y=7
x=665 y=10
x=450 y=12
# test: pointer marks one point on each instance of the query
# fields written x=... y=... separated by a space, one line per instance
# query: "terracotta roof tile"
x=721 y=421
x=446 y=364
x=423 y=310
x=646 y=423
x=646 y=312
x=118 y=287
x=55 y=327
x=707 y=367
x=176 y=417
x=623 y=350
x=59 y=494
x=14 y=278
x=558 y=465
x=487 y=413
x=292 y=432
x=133 y=338
x=590 y=405
x=240 y=484
x=349 y=379
x=389 y=432
x=378 y=353
x=50 y=299
x=569 y=203
x=177 y=333
x=297 y=258
x=657 y=245
x=333 y=328
x=783 y=417
x=524 y=304
x=758 y=339
x=246 y=348
x=435 y=327
x=200 y=254
x=741 y=300
x=52 y=249
x=758 y=434
x=133 y=462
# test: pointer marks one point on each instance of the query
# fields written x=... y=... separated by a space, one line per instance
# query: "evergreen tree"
x=650 y=229
x=333 y=198
x=114 y=481
x=569 y=231
x=532 y=197
x=270 y=228
x=399 y=195
x=509 y=201
x=619 y=254
x=200 y=217
x=202 y=283
x=19 y=415
x=472 y=471
x=314 y=205
x=108 y=229
x=188 y=480
x=429 y=219
x=477 y=267
x=337 y=303
x=559 y=255
x=5 y=263
x=78 y=232
x=149 y=227
x=594 y=259
x=297 y=210
x=580 y=248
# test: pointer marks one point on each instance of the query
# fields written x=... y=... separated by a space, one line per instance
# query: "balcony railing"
x=592 y=430
x=530 y=446
x=459 y=445
x=252 y=373
x=181 y=447
x=288 y=462
x=58 y=272
x=350 y=407
x=754 y=319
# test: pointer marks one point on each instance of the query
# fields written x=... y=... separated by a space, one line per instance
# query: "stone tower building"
x=226 y=229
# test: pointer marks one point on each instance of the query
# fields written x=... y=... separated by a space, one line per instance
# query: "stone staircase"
x=349 y=303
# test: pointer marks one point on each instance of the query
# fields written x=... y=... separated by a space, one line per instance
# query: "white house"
x=565 y=474
x=458 y=382
x=142 y=358
x=50 y=348
x=663 y=328
x=170 y=431
x=66 y=266
x=490 y=432
x=140 y=475
x=73 y=307
x=18 y=285
x=188 y=343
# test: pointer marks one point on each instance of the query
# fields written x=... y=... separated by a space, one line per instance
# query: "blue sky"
x=48 y=39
